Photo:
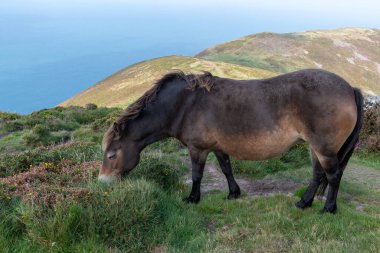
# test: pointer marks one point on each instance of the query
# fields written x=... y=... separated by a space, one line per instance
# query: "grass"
x=252 y=60
x=119 y=91
x=145 y=213
x=77 y=152
x=272 y=224
x=12 y=142
x=132 y=216
x=296 y=157
x=55 y=204
x=371 y=159
x=282 y=53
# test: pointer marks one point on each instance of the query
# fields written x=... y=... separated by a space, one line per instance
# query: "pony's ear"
x=117 y=129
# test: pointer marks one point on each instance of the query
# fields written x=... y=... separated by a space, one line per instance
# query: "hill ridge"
x=353 y=53
x=126 y=85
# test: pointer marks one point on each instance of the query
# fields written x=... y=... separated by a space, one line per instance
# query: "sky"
x=50 y=50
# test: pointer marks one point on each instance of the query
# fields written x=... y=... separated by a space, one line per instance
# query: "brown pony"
x=247 y=119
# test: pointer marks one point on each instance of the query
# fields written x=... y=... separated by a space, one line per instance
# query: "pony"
x=247 y=119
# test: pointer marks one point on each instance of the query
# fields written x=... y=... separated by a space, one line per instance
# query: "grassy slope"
x=353 y=53
x=128 y=84
x=155 y=219
x=146 y=214
x=272 y=224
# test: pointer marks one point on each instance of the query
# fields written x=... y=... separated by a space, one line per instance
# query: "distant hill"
x=123 y=87
x=353 y=53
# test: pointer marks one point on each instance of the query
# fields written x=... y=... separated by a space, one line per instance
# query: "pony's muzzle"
x=106 y=179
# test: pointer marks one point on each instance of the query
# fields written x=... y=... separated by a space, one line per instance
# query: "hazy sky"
x=363 y=10
x=50 y=50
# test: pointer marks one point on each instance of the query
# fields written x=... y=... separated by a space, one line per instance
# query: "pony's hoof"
x=191 y=199
x=331 y=210
x=302 y=204
x=233 y=195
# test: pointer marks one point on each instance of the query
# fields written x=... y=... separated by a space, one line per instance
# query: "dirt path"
x=3 y=135
x=363 y=175
x=214 y=179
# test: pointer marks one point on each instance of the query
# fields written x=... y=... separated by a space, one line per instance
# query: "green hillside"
x=353 y=53
x=128 y=84
x=51 y=200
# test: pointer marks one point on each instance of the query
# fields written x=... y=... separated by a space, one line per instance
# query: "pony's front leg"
x=198 y=160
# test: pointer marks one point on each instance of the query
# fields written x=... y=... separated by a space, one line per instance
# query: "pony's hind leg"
x=225 y=165
x=318 y=176
x=334 y=173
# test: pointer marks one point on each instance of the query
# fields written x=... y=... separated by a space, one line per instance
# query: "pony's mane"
x=193 y=81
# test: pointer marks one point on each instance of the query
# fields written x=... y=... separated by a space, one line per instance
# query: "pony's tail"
x=348 y=147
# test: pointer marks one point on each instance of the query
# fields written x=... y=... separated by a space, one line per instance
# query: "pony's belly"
x=257 y=147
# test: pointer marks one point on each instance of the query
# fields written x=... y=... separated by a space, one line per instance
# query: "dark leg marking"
x=225 y=165
x=198 y=160
x=334 y=175
x=318 y=175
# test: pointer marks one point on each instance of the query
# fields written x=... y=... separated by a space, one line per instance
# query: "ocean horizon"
x=49 y=56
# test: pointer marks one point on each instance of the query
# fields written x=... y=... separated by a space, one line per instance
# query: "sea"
x=48 y=54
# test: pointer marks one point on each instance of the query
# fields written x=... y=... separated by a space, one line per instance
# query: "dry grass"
x=125 y=86
x=353 y=53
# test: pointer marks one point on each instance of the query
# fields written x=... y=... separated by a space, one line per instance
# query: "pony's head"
x=121 y=147
x=121 y=154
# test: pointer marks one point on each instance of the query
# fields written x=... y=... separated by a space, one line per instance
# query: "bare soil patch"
x=3 y=135
x=363 y=175
x=214 y=179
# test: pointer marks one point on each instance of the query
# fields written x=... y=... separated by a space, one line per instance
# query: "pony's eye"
x=111 y=156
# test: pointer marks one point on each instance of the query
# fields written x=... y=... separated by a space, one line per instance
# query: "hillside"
x=353 y=53
x=50 y=200
x=123 y=87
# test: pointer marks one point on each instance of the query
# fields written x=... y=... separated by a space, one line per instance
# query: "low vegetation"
x=353 y=57
x=50 y=200
x=125 y=86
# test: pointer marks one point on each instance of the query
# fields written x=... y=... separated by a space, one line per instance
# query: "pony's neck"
x=146 y=130
x=154 y=137
x=156 y=121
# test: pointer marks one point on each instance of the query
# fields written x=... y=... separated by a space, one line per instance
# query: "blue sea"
x=48 y=54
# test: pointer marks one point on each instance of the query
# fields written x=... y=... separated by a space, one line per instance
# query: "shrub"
x=103 y=123
x=59 y=124
x=87 y=134
x=75 y=152
x=40 y=135
x=370 y=133
x=58 y=118
x=166 y=171
x=13 y=126
x=41 y=130
x=91 y=106
x=6 y=116
x=31 y=139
